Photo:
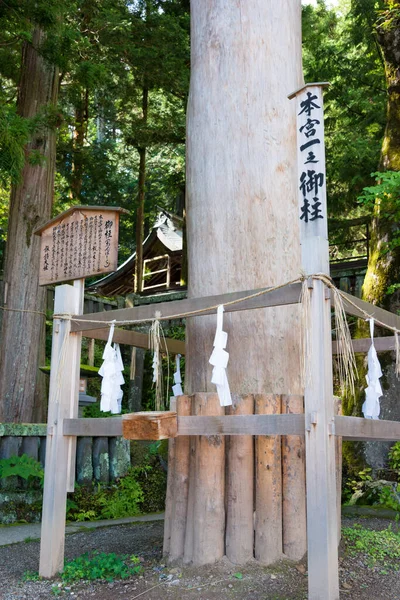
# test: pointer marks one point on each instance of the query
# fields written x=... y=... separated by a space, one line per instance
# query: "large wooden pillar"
x=242 y=219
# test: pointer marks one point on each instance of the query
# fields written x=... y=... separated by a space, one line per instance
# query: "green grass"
x=381 y=548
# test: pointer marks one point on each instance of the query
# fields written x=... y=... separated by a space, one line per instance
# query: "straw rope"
x=23 y=310
x=346 y=360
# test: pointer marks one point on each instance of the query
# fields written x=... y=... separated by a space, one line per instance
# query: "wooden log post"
x=181 y=484
x=339 y=467
x=209 y=488
x=268 y=523
x=63 y=404
x=293 y=486
x=240 y=488
x=170 y=497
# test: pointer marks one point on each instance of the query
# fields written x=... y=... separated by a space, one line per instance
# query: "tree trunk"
x=81 y=124
x=242 y=215
x=30 y=207
x=140 y=207
x=384 y=266
x=242 y=220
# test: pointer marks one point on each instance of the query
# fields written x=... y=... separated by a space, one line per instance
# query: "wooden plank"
x=64 y=380
x=382 y=344
x=380 y=314
x=288 y=294
x=242 y=425
x=358 y=429
x=136 y=339
x=107 y=427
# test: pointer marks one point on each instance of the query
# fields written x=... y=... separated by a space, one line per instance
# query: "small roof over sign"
x=306 y=85
x=73 y=209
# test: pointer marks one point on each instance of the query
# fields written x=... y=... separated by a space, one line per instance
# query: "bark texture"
x=383 y=266
x=241 y=186
x=30 y=206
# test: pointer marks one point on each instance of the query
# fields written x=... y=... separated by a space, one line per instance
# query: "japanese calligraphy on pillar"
x=79 y=243
x=311 y=182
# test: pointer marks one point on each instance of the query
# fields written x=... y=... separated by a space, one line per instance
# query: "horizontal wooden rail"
x=289 y=294
x=242 y=425
x=134 y=338
x=107 y=427
x=349 y=428
x=359 y=429
x=384 y=316
x=382 y=344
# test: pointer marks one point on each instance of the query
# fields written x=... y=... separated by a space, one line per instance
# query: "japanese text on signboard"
x=311 y=157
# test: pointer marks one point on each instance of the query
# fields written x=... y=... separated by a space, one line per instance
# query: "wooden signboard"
x=78 y=243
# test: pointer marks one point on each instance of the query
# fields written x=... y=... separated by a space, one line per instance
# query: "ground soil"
x=282 y=581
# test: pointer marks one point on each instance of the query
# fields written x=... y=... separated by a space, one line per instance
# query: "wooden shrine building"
x=162 y=262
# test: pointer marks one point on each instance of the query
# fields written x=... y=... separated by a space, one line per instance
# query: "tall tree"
x=384 y=262
x=30 y=205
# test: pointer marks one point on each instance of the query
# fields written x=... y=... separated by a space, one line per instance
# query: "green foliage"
x=394 y=456
x=22 y=466
x=377 y=546
x=153 y=482
x=94 y=566
x=120 y=499
x=340 y=47
x=100 y=565
x=124 y=499
x=14 y=134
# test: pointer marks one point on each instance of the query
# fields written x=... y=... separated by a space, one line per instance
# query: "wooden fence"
x=100 y=459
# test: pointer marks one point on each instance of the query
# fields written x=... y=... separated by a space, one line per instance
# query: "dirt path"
x=283 y=581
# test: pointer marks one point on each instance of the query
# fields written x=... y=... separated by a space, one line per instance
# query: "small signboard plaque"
x=78 y=243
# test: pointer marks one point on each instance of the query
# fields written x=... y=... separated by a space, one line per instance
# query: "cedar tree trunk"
x=30 y=206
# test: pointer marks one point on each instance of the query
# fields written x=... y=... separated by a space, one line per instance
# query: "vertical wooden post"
x=293 y=486
x=76 y=343
x=240 y=488
x=181 y=481
x=268 y=527
x=64 y=381
x=323 y=573
x=209 y=500
x=170 y=497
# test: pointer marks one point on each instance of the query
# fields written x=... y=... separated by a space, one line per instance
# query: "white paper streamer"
x=111 y=372
x=219 y=359
x=177 y=388
x=371 y=407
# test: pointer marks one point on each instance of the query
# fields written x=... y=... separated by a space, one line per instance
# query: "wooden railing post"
x=322 y=539
x=63 y=404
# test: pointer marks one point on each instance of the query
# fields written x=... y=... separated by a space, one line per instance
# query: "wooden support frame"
x=349 y=428
x=288 y=294
x=60 y=449
x=319 y=426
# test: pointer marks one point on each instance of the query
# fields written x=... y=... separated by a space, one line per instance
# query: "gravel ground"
x=282 y=581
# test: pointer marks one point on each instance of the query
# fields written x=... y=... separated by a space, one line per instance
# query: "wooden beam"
x=136 y=339
x=359 y=429
x=289 y=294
x=63 y=403
x=382 y=344
x=107 y=427
x=382 y=315
x=242 y=425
